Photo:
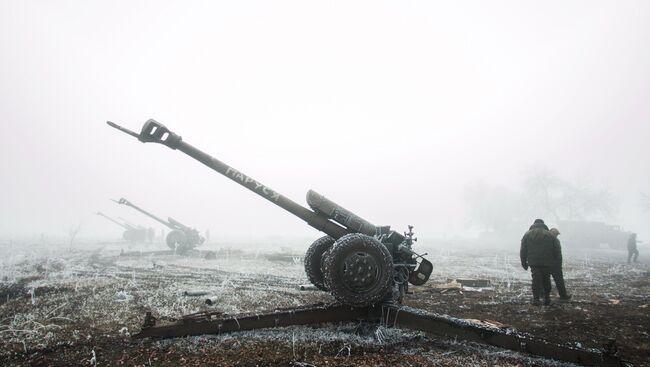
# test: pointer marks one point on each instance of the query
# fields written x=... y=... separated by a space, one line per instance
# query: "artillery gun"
x=360 y=263
x=131 y=233
x=181 y=238
x=367 y=268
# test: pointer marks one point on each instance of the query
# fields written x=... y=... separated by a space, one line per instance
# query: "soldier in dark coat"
x=556 y=270
x=632 y=251
x=538 y=252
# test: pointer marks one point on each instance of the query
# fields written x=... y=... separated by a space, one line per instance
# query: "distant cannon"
x=181 y=238
x=360 y=263
x=132 y=233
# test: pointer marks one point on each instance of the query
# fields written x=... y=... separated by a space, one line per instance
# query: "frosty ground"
x=61 y=306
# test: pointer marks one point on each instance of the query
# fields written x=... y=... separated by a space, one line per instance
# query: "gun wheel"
x=176 y=240
x=359 y=270
x=314 y=261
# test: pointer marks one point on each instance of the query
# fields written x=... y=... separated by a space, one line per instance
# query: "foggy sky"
x=388 y=108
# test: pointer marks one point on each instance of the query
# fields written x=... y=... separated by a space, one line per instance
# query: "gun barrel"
x=123 y=201
x=154 y=132
x=112 y=220
x=314 y=220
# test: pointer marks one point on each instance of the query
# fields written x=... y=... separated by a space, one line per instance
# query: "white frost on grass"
x=122 y=296
x=89 y=292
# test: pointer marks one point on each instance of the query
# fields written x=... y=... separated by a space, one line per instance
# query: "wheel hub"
x=359 y=271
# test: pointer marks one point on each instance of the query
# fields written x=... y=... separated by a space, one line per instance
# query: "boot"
x=535 y=302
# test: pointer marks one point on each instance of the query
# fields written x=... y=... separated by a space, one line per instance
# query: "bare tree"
x=495 y=208
x=549 y=195
x=543 y=193
x=72 y=234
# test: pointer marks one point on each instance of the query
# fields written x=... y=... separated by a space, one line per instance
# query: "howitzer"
x=366 y=267
x=360 y=263
x=131 y=233
x=181 y=238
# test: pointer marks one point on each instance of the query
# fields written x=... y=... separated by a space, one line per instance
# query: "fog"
x=391 y=109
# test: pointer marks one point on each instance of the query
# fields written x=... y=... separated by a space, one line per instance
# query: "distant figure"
x=537 y=251
x=631 y=248
x=556 y=270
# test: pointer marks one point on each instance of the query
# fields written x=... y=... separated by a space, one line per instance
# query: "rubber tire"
x=176 y=240
x=314 y=260
x=326 y=254
x=347 y=245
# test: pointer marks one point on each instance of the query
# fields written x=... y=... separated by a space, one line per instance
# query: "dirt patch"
x=12 y=290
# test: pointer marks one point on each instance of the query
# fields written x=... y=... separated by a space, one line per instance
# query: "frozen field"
x=61 y=307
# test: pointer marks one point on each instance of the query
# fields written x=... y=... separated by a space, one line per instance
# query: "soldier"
x=537 y=251
x=631 y=248
x=556 y=270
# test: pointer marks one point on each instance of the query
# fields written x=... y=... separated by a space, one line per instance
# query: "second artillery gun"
x=360 y=263
x=181 y=238
x=131 y=233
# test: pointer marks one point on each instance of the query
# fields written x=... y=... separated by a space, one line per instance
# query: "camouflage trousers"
x=541 y=282
x=558 y=278
x=631 y=253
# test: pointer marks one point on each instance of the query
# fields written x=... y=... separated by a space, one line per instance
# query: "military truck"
x=590 y=234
